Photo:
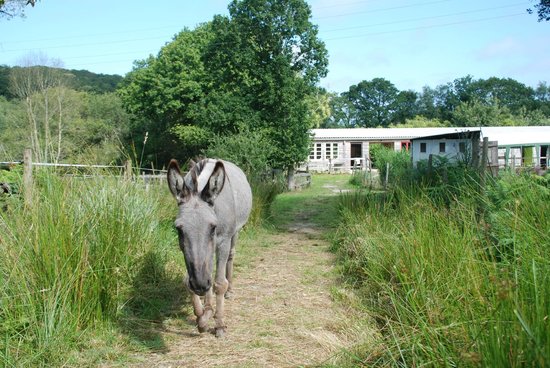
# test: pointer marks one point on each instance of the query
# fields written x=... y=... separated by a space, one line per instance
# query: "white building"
x=346 y=149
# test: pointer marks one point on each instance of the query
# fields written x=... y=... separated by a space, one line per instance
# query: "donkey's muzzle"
x=199 y=287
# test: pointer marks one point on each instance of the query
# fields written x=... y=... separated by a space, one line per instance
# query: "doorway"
x=356 y=154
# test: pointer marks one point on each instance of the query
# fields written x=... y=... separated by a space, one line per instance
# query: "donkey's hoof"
x=228 y=294
x=202 y=329
x=220 y=332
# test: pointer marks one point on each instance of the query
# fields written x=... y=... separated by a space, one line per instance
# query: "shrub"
x=399 y=163
x=248 y=150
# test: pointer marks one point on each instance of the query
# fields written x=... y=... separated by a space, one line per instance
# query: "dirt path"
x=282 y=313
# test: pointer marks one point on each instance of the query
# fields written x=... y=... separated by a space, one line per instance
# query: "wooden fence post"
x=483 y=163
x=128 y=170
x=475 y=153
x=27 y=176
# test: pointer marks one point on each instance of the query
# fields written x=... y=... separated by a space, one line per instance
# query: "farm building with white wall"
x=346 y=149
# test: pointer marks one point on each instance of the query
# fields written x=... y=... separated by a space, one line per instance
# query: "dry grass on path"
x=282 y=313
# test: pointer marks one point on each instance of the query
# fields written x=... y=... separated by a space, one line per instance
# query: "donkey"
x=214 y=201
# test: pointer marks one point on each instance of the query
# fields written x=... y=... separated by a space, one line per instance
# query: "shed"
x=458 y=146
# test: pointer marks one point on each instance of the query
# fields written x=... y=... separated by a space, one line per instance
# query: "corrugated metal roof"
x=505 y=136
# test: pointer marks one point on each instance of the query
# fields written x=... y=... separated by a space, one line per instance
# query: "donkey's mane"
x=198 y=165
x=193 y=180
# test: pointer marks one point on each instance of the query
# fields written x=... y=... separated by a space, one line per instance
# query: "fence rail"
x=128 y=172
x=84 y=166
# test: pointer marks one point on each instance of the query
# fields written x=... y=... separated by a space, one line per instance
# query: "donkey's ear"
x=215 y=183
x=175 y=180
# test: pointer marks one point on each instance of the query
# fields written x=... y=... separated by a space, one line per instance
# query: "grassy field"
x=92 y=269
x=459 y=283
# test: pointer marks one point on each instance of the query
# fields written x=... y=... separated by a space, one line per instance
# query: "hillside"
x=81 y=80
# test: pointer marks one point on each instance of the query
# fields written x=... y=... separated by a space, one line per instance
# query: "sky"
x=413 y=43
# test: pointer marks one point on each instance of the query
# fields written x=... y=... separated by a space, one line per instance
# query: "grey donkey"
x=214 y=200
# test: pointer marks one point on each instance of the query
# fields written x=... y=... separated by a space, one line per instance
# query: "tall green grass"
x=461 y=284
x=91 y=255
x=68 y=262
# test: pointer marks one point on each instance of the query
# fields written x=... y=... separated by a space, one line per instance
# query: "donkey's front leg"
x=220 y=287
x=202 y=321
x=202 y=314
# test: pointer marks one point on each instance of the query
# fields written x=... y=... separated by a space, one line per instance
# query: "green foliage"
x=86 y=81
x=5 y=82
x=422 y=122
x=250 y=151
x=192 y=138
x=462 y=102
x=476 y=114
x=80 y=80
x=14 y=138
x=400 y=164
x=447 y=286
x=343 y=113
x=264 y=194
x=75 y=267
x=444 y=181
x=92 y=126
x=375 y=102
x=254 y=70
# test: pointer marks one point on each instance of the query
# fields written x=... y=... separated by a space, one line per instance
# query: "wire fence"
x=142 y=174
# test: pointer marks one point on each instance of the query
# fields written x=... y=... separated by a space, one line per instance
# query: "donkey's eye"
x=212 y=231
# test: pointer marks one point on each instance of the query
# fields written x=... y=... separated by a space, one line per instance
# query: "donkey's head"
x=196 y=221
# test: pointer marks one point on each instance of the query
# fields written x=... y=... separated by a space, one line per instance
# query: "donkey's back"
x=235 y=199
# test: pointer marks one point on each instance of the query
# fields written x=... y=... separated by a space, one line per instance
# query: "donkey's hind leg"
x=229 y=270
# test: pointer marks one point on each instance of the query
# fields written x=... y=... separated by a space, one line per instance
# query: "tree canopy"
x=462 y=102
x=252 y=70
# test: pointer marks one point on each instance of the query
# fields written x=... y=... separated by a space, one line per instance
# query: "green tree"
x=342 y=113
x=406 y=106
x=422 y=122
x=478 y=113
x=542 y=98
x=509 y=92
x=254 y=70
x=375 y=102
x=319 y=107
x=165 y=92
x=268 y=52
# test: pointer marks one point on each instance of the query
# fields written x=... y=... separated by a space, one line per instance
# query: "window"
x=462 y=147
x=441 y=147
x=423 y=147
x=325 y=151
